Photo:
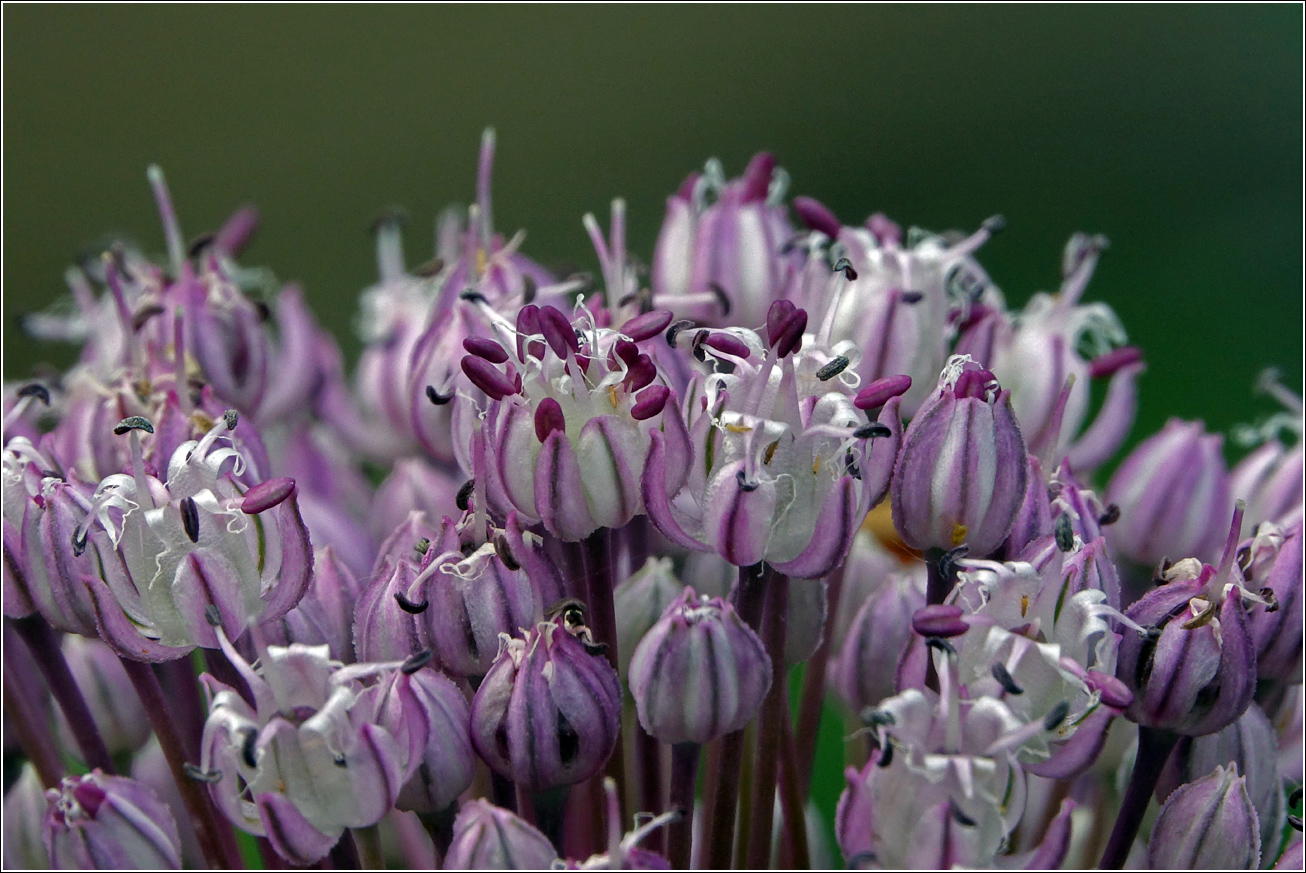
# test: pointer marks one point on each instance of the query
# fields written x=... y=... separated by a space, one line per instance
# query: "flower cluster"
x=561 y=536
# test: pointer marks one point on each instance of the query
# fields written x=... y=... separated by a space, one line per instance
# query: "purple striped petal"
x=560 y=491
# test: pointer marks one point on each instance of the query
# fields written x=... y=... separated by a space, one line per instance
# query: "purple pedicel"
x=484 y=347
x=817 y=216
x=879 y=392
x=266 y=495
x=488 y=378
x=647 y=325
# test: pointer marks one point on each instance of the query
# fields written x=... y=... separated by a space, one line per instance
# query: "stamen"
x=1064 y=533
x=674 y=331
x=37 y=390
x=171 y=229
x=266 y=495
x=745 y=485
x=416 y=662
x=464 y=495
x=832 y=369
x=408 y=606
x=1110 y=516
x=1114 y=361
x=211 y=777
x=817 y=216
x=190 y=518
x=845 y=266
x=485 y=348
x=872 y=431
x=1003 y=676
x=1058 y=714
x=646 y=326
x=548 y=418
x=487 y=377
x=247 y=747
x=881 y=391
x=650 y=402
x=436 y=397
x=502 y=549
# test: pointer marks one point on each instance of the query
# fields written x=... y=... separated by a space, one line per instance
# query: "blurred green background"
x=1176 y=131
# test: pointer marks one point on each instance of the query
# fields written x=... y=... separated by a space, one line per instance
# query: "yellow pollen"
x=738 y=428
x=480 y=261
x=612 y=396
x=816 y=465
x=1024 y=604
x=770 y=452
x=959 y=532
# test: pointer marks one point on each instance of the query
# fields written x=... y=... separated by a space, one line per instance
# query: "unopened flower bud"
x=102 y=822
x=699 y=673
x=880 y=632
x=548 y=712
x=109 y=695
x=447 y=760
x=1274 y=570
x=24 y=807
x=486 y=837
x=962 y=472
x=1209 y=824
x=1173 y=494
x=640 y=602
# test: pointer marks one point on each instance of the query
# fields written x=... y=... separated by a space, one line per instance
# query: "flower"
x=102 y=822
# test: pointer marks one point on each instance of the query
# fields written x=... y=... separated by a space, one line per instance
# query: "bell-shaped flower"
x=1173 y=494
x=486 y=837
x=941 y=788
x=1057 y=339
x=1192 y=663
x=318 y=751
x=699 y=673
x=1209 y=824
x=783 y=468
x=962 y=473
x=549 y=711
x=99 y=822
x=1043 y=643
x=176 y=560
x=570 y=419
x=721 y=256
x=898 y=302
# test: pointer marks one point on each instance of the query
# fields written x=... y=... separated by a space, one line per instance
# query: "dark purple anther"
x=1114 y=692
x=37 y=390
x=266 y=495
x=548 y=418
x=881 y=391
x=528 y=322
x=1113 y=361
x=650 y=402
x=190 y=518
x=646 y=326
x=486 y=348
x=558 y=332
x=941 y=620
x=487 y=377
x=757 y=178
x=817 y=216
x=238 y=231
x=640 y=374
x=686 y=190
x=785 y=329
x=973 y=383
x=89 y=796
x=776 y=316
x=727 y=344
x=627 y=351
x=885 y=229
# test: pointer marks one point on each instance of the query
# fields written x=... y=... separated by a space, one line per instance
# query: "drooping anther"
x=211 y=777
x=528 y=289
x=1064 y=532
x=872 y=431
x=133 y=422
x=144 y=314
x=190 y=518
x=722 y=299
x=673 y=332
x=942 y=645
x=199 y=244
x=845 y=266
x=429 y=269
x=212 y=615
x=832 y=369
x=247 y=747
x=994 y=223
x=1056 y=716
x=230 y=418
x=416 y=662
x=408 y=606
x=948 y=563
x=886 y=755
x=1110 y=516
x=37 y=390
x=1271 y=602
x=1003 y=676
x=463 y=498
x=471 y=295
x=505 y=554
x=744 y=484
x=961 y=817
x=911 y=298
x=436 y=397
x=79 y=542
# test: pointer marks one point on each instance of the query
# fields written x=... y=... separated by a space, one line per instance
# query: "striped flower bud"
x=1209 y=824
x=699 y=673
x=99 y=822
